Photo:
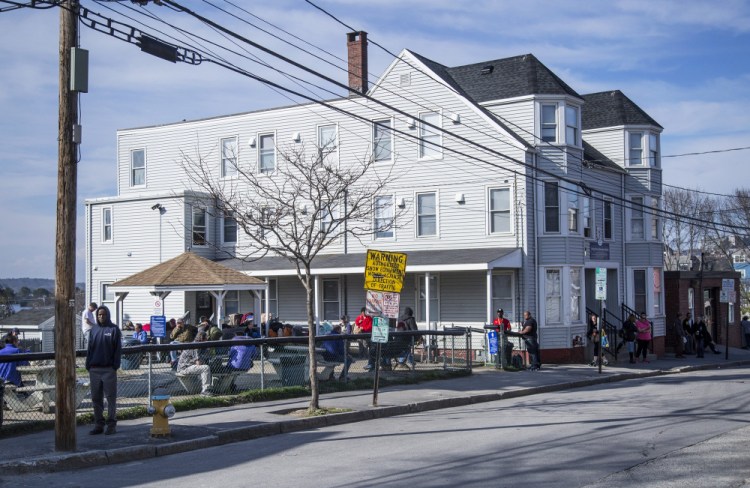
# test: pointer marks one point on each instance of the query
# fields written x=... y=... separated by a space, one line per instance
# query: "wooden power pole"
x=65 y=358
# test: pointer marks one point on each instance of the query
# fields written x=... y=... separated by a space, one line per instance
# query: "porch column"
x=427 y=300
x=268 y=302
x=219 y=296
x=316 y=297
x=119 y=307
x=489 y=297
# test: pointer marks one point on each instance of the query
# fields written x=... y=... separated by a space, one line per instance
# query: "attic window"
x=487 y=70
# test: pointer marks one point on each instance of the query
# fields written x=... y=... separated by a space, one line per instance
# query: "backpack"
x=516 y=361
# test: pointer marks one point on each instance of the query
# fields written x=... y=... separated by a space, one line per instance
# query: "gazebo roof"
x=188 y=271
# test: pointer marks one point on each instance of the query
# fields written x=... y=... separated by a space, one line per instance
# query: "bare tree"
x=683 y=236
x=298 y=207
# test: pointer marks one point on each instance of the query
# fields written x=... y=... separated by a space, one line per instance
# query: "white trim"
x=436 y=194
x=333 y=154
x=375 y=237
x=131 y=183
x=236 y=148
x=258 y=146
x=111 y=239
x=392 y=123
x=488 y=209
x=428 y=149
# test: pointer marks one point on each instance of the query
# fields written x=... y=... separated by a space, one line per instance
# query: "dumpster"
x=131 y=361
x=292 y=369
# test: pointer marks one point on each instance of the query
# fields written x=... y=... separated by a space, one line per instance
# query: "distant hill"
x=33 y=283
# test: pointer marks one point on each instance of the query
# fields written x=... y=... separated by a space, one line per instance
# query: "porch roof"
x=416 y=262
x=188 y=272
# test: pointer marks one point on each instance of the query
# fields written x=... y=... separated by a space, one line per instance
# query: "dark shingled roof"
x=507 y=78
x=612 y=109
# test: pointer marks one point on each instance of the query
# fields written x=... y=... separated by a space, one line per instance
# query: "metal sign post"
x=727 y=295
x=601 y=295
x=379 y=336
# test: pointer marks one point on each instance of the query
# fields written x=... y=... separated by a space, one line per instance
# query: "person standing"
x=745 y=323
x=88 y=321
x=363 y=325
x=687 y=326
x=102 y=362
x=700 y=332
x=629 y=330
x=679 y=337
x=643 y=337
x=592 y=334
x=529 y=332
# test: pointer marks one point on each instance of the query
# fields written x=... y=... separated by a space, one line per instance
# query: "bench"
x=28 y=398
x=220 y=382
x=291 y=374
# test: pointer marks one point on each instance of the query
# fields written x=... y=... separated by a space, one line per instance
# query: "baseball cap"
x=500 y=310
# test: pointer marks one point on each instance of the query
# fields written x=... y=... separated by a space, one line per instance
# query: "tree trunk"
x=314 y=394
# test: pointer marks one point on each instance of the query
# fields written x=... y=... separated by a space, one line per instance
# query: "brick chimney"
x=356 y=44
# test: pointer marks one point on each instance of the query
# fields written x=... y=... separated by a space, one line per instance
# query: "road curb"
x=79 y=460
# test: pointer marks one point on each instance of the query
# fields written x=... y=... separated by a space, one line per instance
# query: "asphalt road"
x=681 y=430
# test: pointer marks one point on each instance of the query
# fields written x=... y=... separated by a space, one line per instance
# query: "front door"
x=592 y=303
x=204 y=305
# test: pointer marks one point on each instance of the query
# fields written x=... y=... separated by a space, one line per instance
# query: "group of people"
x=692 y=337
x=635 y=334
x=529 y=333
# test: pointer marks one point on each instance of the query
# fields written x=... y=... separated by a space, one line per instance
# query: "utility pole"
x=65 y=358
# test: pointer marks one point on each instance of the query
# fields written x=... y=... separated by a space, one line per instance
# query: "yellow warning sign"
x=385 y=271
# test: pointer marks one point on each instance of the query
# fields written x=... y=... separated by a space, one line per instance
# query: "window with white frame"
x=108 y=296
x=383 y=217
x=653 y=150
x=551 y=207
x=639 y=290
x=500 y=210
x=607 y=219
x=229 y=227
x=502 y=293
x=430 y=139
x=229 y=157
x=553 y=295
x=266 y=217
x=657 y=291
x=434 y=302
x=331 y=300
x=549 y=123
x=573 y=210
x=328 y=144
x=655 y=211
x=138 y=167
x=587 y=220
x=107 y=224
x=635 y=156
x=273 y=302
x=267 y=153
x=382 y=140
x=636 y=218
x=739 y=258
x=575 y=294
x=199 y=226
x=572 y=128
x=426 y=214
x=231 y=302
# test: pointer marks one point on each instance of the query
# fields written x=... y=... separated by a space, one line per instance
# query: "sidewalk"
x=197 y=429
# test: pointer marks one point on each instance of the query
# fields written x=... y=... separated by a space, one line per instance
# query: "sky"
x=685 y=62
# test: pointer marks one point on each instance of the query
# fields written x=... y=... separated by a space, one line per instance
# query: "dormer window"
x=653 y=150
x=549 y=123
x=572 y=128
x=635 y=145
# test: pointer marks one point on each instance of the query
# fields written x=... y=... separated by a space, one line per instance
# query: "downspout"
x=624 y=277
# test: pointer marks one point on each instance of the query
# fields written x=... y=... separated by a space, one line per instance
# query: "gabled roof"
x=187 y=270
x=592 y=156
x=613 y=109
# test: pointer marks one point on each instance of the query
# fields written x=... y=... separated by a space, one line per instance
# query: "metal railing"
x=276 y=362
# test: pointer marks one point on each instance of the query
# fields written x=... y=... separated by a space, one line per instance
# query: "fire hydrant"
x=162 y=411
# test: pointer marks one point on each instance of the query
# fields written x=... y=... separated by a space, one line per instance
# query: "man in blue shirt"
x=8 y=371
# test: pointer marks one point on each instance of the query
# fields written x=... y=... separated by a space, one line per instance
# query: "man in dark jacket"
x=102 y=362
x=530 y=333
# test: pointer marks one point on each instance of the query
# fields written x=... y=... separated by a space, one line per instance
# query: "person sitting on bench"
x=8 y=371
x=335 y=352
x=191 y=362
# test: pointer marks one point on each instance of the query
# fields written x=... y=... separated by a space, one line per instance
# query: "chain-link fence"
x=230 y=367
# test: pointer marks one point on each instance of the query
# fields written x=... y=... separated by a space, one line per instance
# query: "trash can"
x=292 y=370
x=131 y=361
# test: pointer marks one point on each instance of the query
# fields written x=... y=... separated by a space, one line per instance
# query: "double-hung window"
x=382 y=140
x=499 y=210
x=575 y=294
x=383 y=217
x=573 y=210
x=571 y=126
x=551 y=207
x=635 y=156
x=138 y=167
x=639 y=290
x=199 y=226
x=229 y=157
x=273 y=302
x=657 y=291
x=653 y=150
x=229 y=228
x=655 y=211
x=328 y=213
x=433 y=299
x=636 y=218
x=549 y=123
x=607 y=219
x=267 y=153
x=426 y=214
x=430 y=139
x=231 y=302
x=107 y=224
x=502 y=293
x=586 y=210
x=328 y=144
x=331 y=305
x=553 y=295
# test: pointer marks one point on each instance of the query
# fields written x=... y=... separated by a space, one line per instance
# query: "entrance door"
x=204 y=305
x=613 y=304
